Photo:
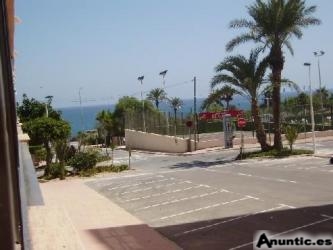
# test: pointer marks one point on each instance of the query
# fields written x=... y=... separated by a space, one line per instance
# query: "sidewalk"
x=77 y=217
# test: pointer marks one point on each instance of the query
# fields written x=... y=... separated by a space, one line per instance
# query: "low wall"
x=170 y=144
x=155 y=142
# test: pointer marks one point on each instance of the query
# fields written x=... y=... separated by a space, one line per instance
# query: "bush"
x=100 y=169
x=83 y=160
x=285 y=152
x=55 y=170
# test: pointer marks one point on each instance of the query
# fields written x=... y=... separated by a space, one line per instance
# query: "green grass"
x=285 y=152
x=102 y=169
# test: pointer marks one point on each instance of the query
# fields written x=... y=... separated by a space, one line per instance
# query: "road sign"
x=189 y=124
x=241 y=122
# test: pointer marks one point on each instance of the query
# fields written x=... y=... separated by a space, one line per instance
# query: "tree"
x=31 y=109
x=128 y=106
x=47 y=131
x=273 y=24
x=106 y=123
x=175 y=103
x=156 y=95
x=225 y=93
x=247 y=76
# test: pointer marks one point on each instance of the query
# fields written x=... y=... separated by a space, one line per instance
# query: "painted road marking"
x=202 y=208
x=230 y=220
x=266 y=178
x=140 y=183
x=289 y=231
x=164 y=193
x=154 y=187
x=179 y=200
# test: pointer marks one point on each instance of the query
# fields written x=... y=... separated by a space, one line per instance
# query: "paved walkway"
x=77 y=217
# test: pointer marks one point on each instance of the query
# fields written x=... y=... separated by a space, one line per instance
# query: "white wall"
x=155 y=142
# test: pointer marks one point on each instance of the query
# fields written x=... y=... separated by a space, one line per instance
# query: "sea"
x=88 y=113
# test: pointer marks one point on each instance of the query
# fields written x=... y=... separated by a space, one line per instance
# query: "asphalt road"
x=208 y=201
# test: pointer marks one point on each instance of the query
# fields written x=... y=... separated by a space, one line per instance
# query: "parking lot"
x=220 y=205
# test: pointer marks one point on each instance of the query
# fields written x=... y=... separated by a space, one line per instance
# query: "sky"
x=99 y=48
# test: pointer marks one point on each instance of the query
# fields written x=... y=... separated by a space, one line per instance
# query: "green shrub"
x=291 y=134
x=83 y=160
x=101 y=169
x=55 y=170
x=285 y=152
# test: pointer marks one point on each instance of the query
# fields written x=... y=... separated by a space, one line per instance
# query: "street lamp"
x=311 y=110
x=140 y=78
x=163 y=73
x=319 y=54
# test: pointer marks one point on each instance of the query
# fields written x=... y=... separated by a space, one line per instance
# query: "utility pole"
x=81 y=110
x=195 y=112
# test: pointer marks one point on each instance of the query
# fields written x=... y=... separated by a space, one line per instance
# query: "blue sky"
x=103 y=46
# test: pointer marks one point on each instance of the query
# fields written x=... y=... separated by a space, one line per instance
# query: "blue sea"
x=73 y=114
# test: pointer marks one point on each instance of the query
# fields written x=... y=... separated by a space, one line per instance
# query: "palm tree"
x=247 y=75
x=218 y=95
x=175 y=103
x=106 y=125
x=274 y=23
x=156 y=95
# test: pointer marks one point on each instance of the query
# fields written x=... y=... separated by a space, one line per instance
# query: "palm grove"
x=271 y=26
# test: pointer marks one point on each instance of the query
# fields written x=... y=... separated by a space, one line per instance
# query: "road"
x=208 y=201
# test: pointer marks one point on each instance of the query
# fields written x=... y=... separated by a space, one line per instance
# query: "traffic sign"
x=241 y=122
x=189 y=124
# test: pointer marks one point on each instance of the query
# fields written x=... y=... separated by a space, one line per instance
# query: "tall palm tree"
x=156 y=95
x=225 y=93
x=175 y=103
x=247 y=76
x=273 y=24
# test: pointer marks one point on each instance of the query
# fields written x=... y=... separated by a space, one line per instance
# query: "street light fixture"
x=140 y=78
x=311 y=110
x=319 y=54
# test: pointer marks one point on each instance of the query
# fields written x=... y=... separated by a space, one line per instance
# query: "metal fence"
x=164 y=123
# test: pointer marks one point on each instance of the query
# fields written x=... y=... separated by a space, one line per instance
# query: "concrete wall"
x=155 y=142
x=170 y=144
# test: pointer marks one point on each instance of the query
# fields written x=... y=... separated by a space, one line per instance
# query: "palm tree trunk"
x=261 y=135
x=276 y=62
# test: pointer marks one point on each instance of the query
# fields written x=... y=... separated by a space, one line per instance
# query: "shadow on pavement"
x=222 y=233
x=199 y=164
x=230 y=232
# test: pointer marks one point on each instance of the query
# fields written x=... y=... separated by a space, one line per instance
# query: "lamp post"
x=163 y=73
x=311 y=110
x=140 y=78
x=319 y=54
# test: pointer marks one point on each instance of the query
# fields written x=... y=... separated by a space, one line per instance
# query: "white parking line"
x=230 y=220
x=179 y=200
x=140 y=183
x=266 y=178
x=289 y=231
x=154 y=187
x=202 y=208
x=164 y=193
